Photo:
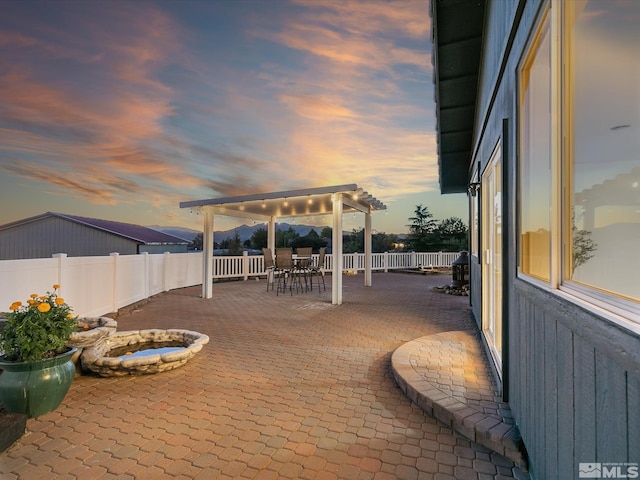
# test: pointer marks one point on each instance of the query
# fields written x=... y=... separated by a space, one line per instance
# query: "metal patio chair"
x=317 y=269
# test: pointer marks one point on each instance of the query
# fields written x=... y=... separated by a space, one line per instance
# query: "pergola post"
x=367 y=249
x=271 y=235
x=336 y=250
x=207 y=252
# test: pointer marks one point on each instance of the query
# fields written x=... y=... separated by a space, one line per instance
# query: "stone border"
x=98 y=328
x=93 y=358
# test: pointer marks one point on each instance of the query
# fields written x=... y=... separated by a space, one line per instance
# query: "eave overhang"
x=457 y=27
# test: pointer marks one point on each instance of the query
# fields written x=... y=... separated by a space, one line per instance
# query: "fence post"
x=440 y=261
x=62 y=270
x=385 y=262
x=165 y=271
x=245 y=265
x=114 y=281
x=145 y=264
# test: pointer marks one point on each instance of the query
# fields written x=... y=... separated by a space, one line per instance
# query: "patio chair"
x=286 y=267
x=318 y=269
x=270 y=267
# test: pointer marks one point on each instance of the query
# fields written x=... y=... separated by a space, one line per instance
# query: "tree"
x=421 y=229
x=326 y=232
x=380 y=242
x=259 y=239
x=198 y=242
x=582 y=244
x=355 y=243
x=285 y=237
x=311 y=239
x=233 y=245
x=453 y=232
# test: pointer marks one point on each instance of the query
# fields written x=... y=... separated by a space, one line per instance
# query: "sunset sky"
x=122 y=109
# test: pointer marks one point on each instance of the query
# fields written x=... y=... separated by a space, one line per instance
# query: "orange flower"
x=69 y=315
x=15 y=306
x=56 y=286
x=59 y=301
x=34 y=295
x=44 y=307
x=43 y=297
x=31 y=301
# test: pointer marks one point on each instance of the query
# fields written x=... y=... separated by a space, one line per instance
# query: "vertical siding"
x=550 y=395
x=575 y=385
x=633 y=416
x=499 y=19
x=566 y=402
x=585 y=406
x=51 y=235
x=611 y=396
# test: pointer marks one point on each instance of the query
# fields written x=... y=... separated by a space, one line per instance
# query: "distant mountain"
x=244 y=231
x=184 y=233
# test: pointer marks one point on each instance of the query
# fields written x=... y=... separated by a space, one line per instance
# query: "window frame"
x=617 y=309
x=524 y=62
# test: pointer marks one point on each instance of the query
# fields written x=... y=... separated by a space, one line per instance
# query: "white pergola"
x=269 y=207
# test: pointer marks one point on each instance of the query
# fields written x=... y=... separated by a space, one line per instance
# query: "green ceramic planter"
x=36 y=388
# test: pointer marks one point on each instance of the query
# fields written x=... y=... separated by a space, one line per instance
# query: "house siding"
x=48 y=236
x=572 y=378
x=575 y=381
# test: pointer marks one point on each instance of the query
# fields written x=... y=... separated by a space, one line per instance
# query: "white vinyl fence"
x=94 y=286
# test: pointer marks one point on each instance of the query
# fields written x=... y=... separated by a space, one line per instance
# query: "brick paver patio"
x=288 y=387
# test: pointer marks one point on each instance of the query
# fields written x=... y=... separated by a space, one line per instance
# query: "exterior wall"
x=571 y=377
x=162 y=248
x=51 y=235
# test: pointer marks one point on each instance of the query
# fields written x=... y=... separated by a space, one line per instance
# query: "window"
x=535 y=156
x=602 y=54
x=579 y=154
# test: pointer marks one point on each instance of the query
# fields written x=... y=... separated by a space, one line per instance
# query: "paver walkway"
x=288 y=387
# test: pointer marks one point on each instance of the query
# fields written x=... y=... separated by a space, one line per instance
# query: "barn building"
x=50 y=233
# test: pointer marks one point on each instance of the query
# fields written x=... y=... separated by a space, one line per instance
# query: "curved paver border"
x=487 y=430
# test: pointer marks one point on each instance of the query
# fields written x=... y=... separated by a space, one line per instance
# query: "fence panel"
x=98 y=285
x=183 y=269
x=155 y=274
x=256 y=265
x=90 y=284
x=130 y=279
x=21 y=278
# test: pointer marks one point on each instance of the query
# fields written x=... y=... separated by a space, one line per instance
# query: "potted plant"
x=36 y=365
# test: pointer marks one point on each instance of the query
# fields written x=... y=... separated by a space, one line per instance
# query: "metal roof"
x=457 y=28
x=290 y=203
x=133 y=232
